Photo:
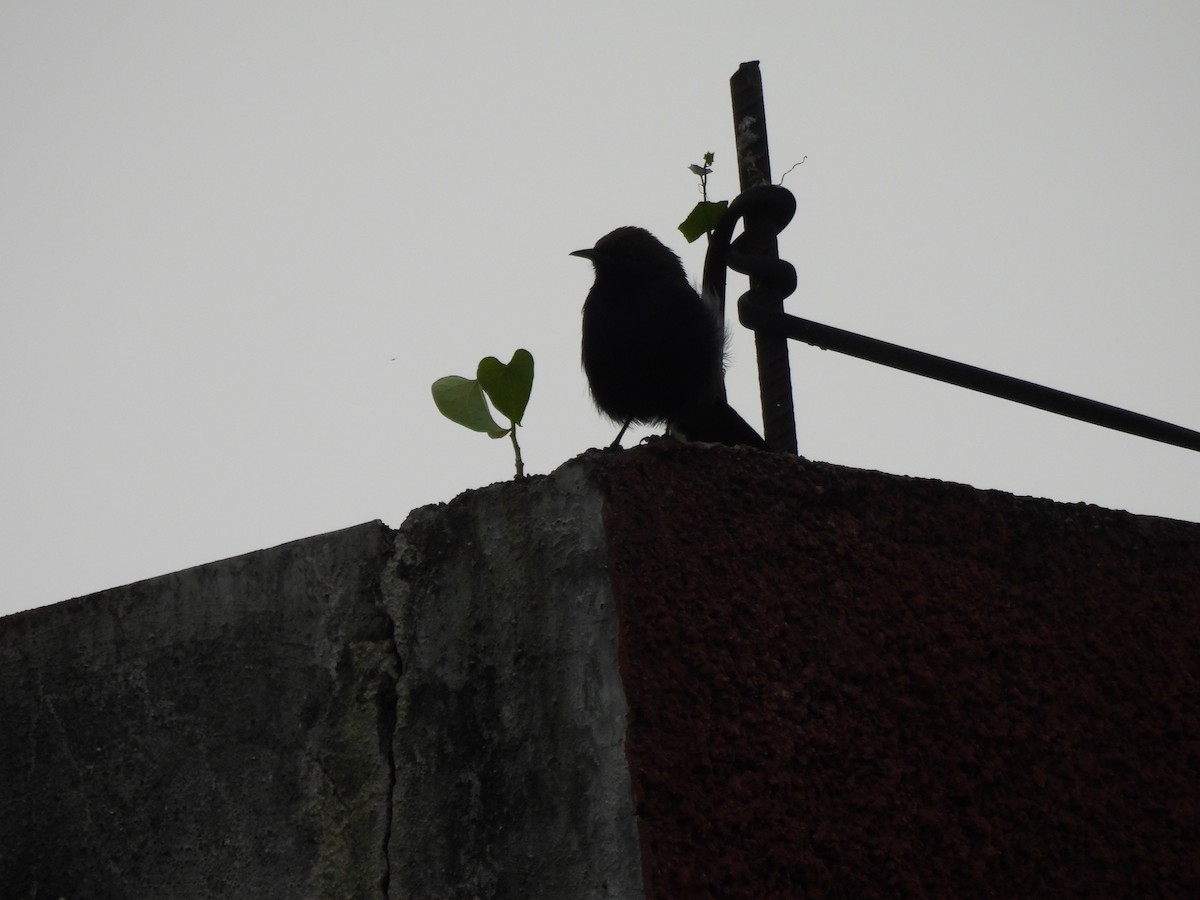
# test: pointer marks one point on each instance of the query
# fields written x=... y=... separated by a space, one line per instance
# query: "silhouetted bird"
x=653 y=349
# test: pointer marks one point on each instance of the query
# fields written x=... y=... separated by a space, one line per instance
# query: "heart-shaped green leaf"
x=461 y=400
x=508 y=386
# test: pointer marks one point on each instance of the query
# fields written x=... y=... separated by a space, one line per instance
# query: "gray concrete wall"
x=218 y=732
x=511 y=778
x=434 y=713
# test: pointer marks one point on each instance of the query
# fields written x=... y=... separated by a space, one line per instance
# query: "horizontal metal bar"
x=963 y=375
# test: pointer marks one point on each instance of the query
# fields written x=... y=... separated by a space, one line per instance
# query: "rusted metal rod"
x=780 y=325
x=754 y=170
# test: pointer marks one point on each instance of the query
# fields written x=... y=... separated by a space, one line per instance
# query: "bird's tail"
x=719 y=423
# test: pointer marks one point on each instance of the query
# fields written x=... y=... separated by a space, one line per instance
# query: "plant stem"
x=512 y=433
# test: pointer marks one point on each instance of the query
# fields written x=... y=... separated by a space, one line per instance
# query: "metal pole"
x=783 y=326
x=754 y=169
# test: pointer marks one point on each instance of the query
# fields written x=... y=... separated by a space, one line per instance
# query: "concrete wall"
x=434 y=714
x=510 y=742
x=714 y=673
x=219 y=732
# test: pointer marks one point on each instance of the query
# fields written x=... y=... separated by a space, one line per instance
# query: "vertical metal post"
x=754 y=168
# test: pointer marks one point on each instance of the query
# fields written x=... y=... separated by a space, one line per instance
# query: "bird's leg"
x=616 y=444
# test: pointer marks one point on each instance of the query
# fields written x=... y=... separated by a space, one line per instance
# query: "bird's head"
x=632 y=252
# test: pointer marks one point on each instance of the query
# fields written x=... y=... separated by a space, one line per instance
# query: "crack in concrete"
x=388 y=698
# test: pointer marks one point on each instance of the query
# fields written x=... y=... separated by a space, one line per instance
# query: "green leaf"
x=461 y=400
x=508 y=386
x=702 y=219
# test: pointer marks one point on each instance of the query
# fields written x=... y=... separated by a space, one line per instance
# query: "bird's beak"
x=586 y=254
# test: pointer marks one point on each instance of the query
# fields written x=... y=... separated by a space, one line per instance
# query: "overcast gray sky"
x=241 y=239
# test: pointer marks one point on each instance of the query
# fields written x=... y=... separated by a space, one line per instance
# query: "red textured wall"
x=850 y=684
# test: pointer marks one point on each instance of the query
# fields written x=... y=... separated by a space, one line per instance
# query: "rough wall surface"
x=511 y=779
x=850 y=684
x=434 y=713
x=838 y=684
x=212 y=733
